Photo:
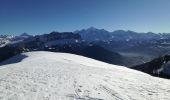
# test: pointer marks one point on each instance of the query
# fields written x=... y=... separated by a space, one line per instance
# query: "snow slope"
x=60 y=76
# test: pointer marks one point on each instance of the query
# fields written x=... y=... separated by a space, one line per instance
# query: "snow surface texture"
x=61 y=76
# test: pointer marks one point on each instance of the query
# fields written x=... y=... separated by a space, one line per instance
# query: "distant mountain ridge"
x=93 y=34
x=120 y=47
x=61 y=42
x=8 y=39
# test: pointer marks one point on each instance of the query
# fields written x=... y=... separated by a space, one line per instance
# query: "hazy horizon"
x=83 y=29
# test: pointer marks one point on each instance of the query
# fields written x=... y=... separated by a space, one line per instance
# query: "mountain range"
x=126 y=48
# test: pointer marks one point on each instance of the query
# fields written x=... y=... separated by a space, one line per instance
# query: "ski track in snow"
x=60 y=76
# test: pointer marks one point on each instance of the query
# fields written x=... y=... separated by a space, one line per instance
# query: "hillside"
x=62 y=76
x=159 y=67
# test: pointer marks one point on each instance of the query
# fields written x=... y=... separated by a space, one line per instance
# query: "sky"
x=44 y=16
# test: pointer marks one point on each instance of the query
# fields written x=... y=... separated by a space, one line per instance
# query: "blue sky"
x=43 y=16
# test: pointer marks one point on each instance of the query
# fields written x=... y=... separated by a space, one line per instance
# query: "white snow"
x=61 y=76
x=10 y=40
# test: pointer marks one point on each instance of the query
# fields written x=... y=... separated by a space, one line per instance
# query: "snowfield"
x=60 y=76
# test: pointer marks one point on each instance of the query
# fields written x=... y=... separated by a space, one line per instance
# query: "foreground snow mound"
x=61 y=76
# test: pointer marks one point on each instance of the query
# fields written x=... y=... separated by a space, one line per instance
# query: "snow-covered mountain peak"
x=92 y=28
x=61 y=76
x=25 y=35
x=93 y=34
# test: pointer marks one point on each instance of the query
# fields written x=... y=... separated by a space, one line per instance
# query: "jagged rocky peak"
x=25 y=34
